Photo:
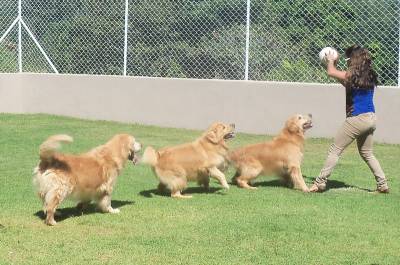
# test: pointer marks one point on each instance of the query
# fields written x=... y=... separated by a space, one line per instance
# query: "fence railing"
x=223 y=39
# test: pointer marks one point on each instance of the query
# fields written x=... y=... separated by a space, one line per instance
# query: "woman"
x=360 y=81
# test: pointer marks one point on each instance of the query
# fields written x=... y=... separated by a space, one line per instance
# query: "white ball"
x=325 y=51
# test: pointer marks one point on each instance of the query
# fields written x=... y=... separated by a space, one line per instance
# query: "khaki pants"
x=361 y=128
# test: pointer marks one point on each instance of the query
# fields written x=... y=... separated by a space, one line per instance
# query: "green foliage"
x=296 y=30
x=8 y=61
x=206 y=38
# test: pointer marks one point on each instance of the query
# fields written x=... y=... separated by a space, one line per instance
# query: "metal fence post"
x=126 y=35
x=398 y=75
x=19 y=37
x=246 y=71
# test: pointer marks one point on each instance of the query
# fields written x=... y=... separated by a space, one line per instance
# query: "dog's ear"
x=215 y=133
x=212 y=136
x=293 y=127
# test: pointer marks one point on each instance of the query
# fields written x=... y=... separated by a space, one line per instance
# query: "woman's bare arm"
x=333 y=72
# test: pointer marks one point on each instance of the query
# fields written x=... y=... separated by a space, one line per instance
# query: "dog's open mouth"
x=133 y=157
x=307 y=125
x=229 y=135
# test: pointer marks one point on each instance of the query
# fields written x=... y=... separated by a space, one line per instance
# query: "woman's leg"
x=365 y=148
x=345 y=136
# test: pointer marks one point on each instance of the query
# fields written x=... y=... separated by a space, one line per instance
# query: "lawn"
x=347 y=224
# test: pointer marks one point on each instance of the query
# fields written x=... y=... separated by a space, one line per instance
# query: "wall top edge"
x=176 y=79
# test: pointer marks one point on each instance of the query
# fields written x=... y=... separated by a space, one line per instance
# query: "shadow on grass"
x=188 y=191
x=270 y=183
x=335 y=184
x=69 y=212
x=332 y=184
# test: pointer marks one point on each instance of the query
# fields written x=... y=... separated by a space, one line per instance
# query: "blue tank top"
x=359 y=101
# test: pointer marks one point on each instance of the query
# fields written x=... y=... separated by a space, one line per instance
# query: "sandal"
x=382 y=190
x=318 y=187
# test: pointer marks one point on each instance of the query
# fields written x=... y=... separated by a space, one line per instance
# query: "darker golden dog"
x=281 y=156
x=195 y=161
x=86 y=177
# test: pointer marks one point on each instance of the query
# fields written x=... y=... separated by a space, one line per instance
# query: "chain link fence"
x=9 y=43
x=213 y=39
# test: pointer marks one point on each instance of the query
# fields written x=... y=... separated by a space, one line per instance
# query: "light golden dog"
x=195 y=161
x=86 y=177
x=281 y=156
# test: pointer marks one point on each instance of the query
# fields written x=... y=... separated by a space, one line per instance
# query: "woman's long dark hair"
x=362 y=75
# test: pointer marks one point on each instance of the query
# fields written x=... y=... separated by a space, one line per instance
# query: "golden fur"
x=281 y=156
x=86 y=177
x=195 y=161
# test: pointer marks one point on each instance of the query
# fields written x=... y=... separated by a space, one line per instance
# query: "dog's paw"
x=183 y=196
x=112 y=210
x=225 y=185
x=50 y=222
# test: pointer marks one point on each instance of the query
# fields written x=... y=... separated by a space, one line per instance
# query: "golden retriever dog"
x=86 y=177
x=281 y=156
x=195 y=161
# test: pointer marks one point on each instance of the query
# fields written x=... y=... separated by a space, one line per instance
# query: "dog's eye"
x=299 y=117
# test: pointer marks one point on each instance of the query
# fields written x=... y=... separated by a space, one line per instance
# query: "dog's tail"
x=49 y=147
x=150 y=156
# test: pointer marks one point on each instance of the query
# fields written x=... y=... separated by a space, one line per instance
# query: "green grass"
x=272 y=225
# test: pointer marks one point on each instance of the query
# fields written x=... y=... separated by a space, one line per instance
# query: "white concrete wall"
x=255 y=106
